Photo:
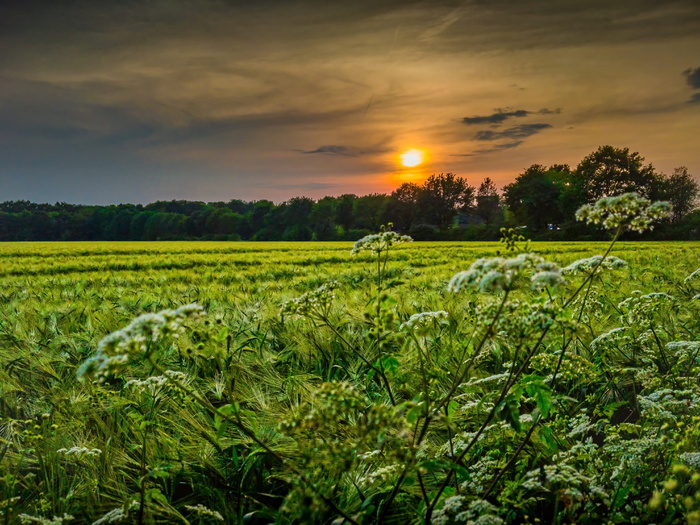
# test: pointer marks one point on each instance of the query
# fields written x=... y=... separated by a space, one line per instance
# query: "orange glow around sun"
x=412 y=158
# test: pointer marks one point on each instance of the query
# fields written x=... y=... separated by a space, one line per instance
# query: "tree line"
x=541 y=200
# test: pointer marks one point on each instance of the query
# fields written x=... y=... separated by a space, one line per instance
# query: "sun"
x=411 y=158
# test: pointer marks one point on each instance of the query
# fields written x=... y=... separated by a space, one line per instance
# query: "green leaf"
x=547 y=439
x=542 y=395
x=509 y=411
x=390 y=363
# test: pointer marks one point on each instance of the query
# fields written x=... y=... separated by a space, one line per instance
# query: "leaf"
x=547 y=438
x=154 y=494
x=509 y=412
x=390 y=363
x=542 y=395
x=452 y=408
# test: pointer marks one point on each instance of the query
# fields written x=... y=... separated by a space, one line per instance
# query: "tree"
x=488 y=202
x=611 y=171
x=370 y=211
x=321 y=219
x=536 y=195
x=443 y=196
x=403 y=207
x=344 y=211
x=682 y=191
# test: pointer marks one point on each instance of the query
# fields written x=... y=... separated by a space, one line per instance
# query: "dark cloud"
x=496 y=118
x=502 y=115
x=517 y=132
x=343 y=151
x=695 y=99
x=545 y=111
x=692 y=77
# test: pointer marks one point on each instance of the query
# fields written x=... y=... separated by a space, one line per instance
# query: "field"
x=576 y=401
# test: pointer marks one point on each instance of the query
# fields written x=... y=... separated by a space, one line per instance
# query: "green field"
x=342 y=413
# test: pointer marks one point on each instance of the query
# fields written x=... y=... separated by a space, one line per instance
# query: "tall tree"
x=535 y=197
x=611 y=171
x=403 y=207
x=682 y=191
x=443 y=196
x=488 y=202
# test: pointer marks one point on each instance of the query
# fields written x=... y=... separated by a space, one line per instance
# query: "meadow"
x=309 y=389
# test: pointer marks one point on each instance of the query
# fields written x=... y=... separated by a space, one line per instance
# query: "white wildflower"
x=201 y=510
x=498 y=273
x=379 y=242
x=597 y=261
x=56 y=520
x=314 y=303
x=132 y=342
x=79 y=452
x=628 y=211
x=691 y=459
x=420 y=323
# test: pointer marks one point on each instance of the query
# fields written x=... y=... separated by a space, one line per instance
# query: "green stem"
x=238 y=423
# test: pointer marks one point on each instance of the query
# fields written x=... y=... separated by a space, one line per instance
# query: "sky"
x=103 y=102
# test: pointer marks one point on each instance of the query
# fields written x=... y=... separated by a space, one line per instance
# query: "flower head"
x=132 y=342
x=597 y=261
x=379 y=242
x=420 y=323
x=311 y=303
x=497 y=273
x=628 y=211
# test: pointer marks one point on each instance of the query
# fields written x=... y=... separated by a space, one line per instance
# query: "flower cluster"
x=315 y=302
x=589 y=264
x=154 y=384
x=132 y=342
x=497 y=273
x=457 y=509
x=201 y=510
x=628 y=211
x=639 y=310
x=420 y=323
x=79 y=452
x=379 y=242
x=56 y=520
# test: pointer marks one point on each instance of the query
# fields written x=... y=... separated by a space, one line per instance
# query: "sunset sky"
x=106 y=102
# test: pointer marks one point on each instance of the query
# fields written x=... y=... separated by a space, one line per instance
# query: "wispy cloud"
x=343 y=151
x=501 y=115
x=517 y=132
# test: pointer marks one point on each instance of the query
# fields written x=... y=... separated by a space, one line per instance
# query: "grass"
x=339 y=414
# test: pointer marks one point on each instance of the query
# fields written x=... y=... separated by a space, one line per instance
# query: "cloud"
x=695 y=99
x=692 y=77
x=517 y=132
x=499 y=147
x=495 y=118
x=496 y=147
x=343 y=151
x=501 y=116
